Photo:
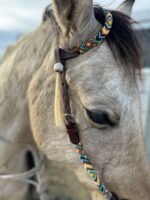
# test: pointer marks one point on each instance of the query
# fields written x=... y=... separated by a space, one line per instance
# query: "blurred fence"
x=145 y=105
x=143 y=33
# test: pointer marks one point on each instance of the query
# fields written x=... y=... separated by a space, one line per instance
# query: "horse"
x=104 y=98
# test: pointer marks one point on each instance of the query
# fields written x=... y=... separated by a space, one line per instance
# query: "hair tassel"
x=58 y=67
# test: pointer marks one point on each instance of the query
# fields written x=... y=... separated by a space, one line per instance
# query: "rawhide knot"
x=59 y=67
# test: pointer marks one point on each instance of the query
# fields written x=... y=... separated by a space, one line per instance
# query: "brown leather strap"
x=66 y=55
x=71 y=126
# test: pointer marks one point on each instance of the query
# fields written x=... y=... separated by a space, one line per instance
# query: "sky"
x=24 y=15
x=18 y=17
x=21 y=15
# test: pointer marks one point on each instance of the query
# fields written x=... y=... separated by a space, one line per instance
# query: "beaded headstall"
x=71 y=126
x=100 y=36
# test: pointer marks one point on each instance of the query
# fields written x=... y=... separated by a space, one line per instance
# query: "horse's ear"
x=63 y=10
x=69 y=14
x=126 y=7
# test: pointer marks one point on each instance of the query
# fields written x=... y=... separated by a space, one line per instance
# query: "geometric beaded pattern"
x=100 y=36
x=92 y=173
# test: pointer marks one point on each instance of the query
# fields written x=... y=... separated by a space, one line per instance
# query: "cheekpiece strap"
x=71 y=126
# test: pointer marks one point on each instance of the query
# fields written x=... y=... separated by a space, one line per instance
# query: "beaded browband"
x=71 y=126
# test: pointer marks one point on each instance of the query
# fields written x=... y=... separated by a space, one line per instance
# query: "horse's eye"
x=100 y=117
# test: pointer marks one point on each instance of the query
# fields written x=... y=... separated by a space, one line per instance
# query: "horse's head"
x=103 y=92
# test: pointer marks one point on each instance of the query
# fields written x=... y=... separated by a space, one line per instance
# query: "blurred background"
x=18 y=17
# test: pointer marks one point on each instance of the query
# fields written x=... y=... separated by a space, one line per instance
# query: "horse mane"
x=122 y=38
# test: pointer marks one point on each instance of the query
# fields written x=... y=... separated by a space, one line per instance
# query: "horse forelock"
x=122 y=38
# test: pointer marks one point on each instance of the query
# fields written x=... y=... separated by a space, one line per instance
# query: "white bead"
x=59 y=67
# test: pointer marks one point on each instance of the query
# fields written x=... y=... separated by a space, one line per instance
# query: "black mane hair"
x=122 y=38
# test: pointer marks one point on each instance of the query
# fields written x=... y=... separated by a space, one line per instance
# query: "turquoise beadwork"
x=92 y=173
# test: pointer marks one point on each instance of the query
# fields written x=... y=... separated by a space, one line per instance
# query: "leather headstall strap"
x=71 y=126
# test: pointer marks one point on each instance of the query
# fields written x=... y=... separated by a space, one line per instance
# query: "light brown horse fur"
x=97 y=81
